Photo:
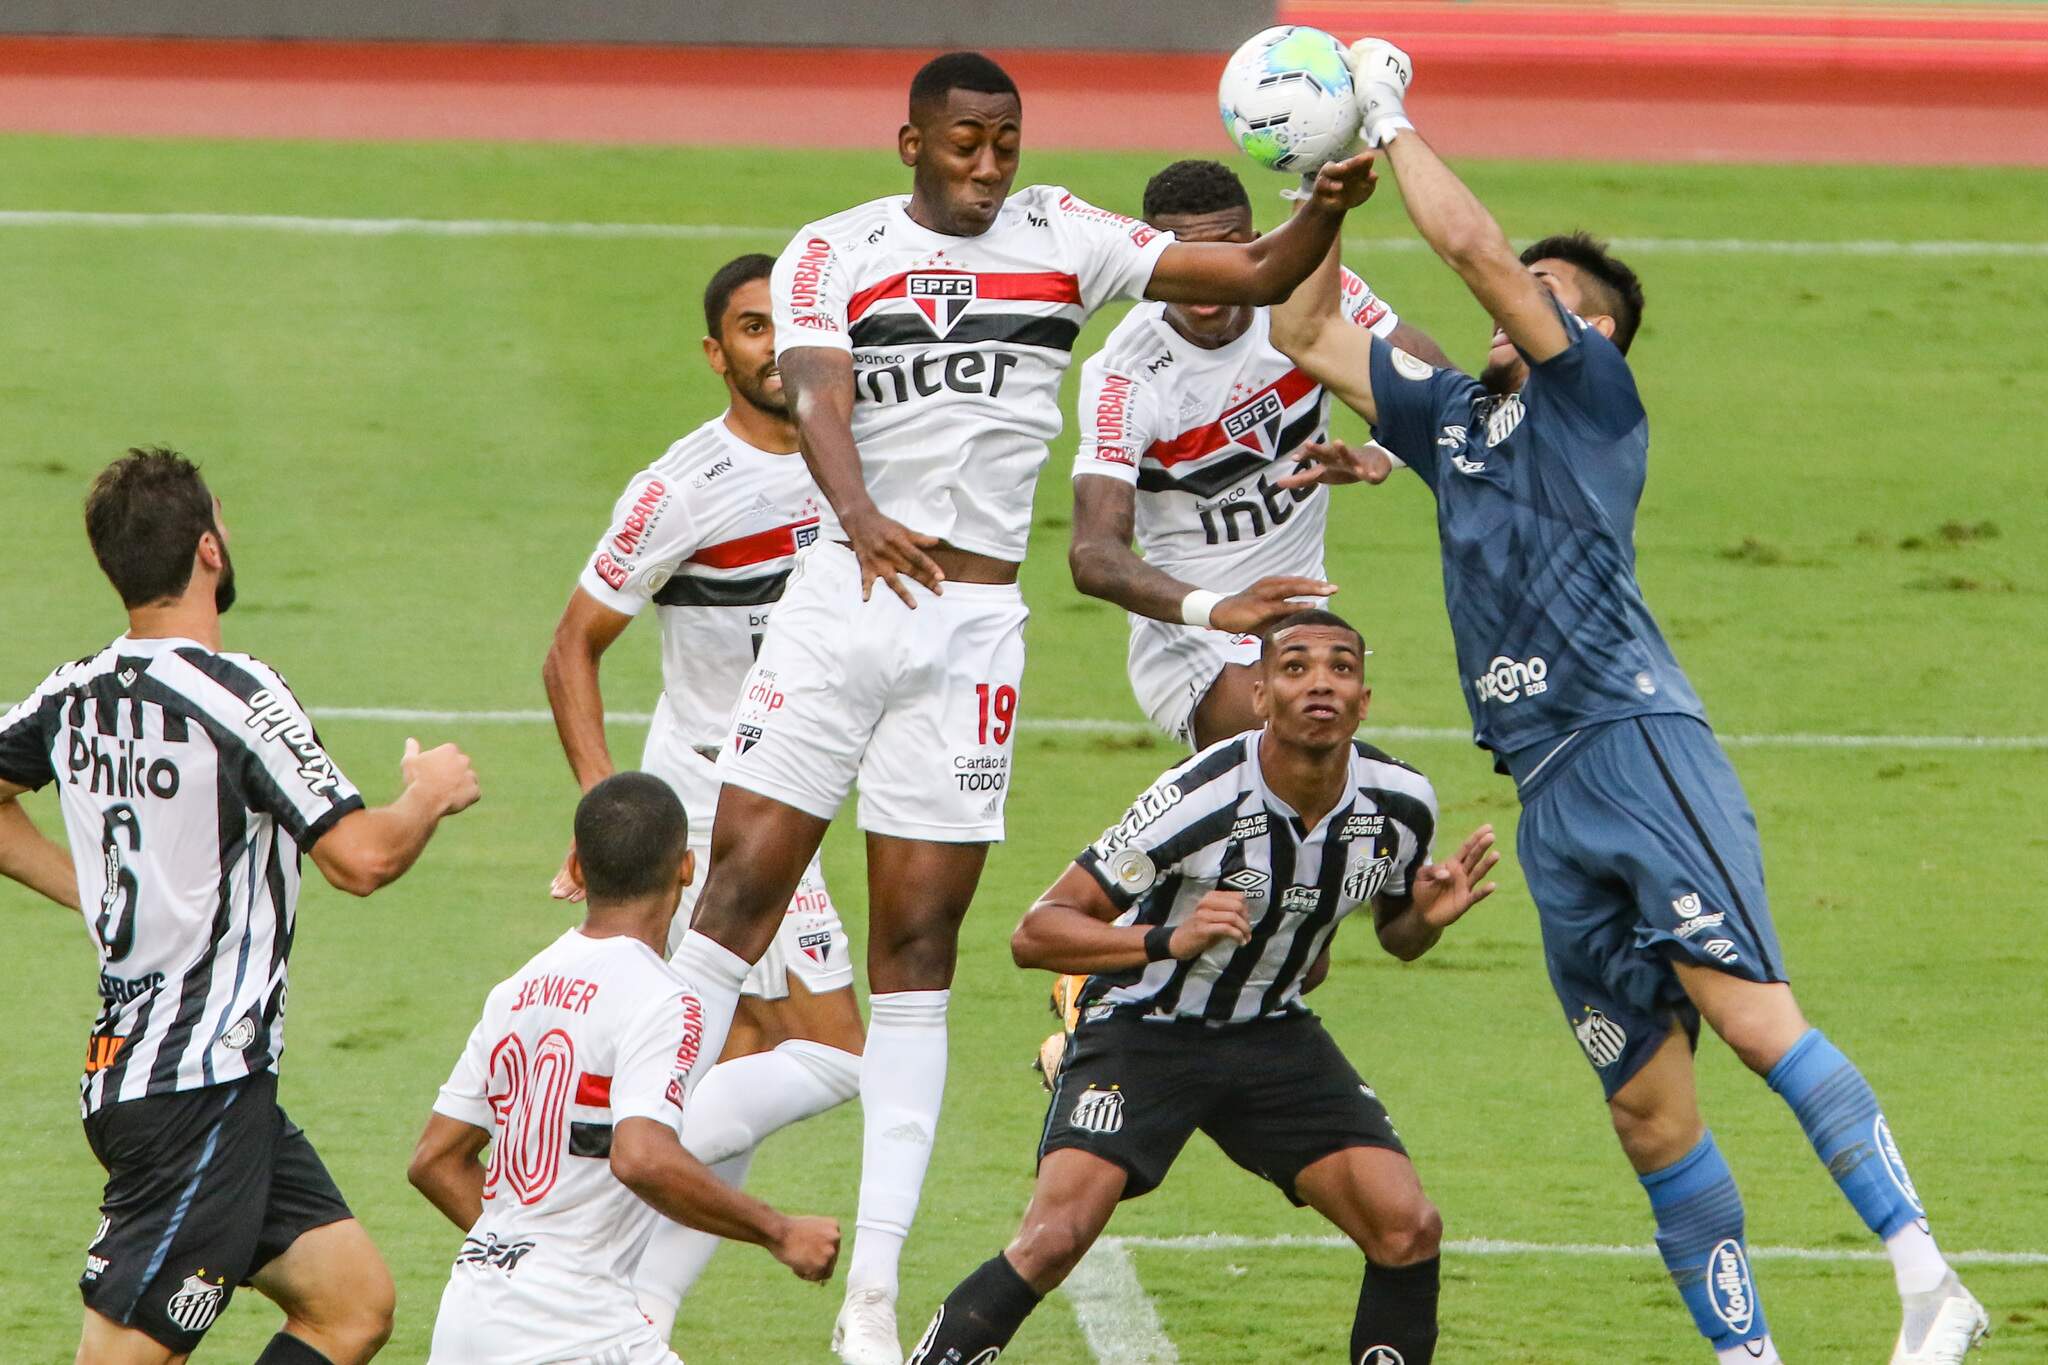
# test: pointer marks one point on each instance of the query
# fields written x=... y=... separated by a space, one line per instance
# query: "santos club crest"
x=942 y=298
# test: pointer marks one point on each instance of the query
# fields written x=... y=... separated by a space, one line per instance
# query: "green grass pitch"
x=418 y=438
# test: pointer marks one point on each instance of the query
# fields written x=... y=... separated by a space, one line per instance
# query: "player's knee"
x=1653 y=1134
x=917 y=952
x=1048 y=1247
x=1411 y=1234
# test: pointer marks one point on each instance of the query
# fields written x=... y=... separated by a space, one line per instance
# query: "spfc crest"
x=942 y=298
x=1257 y=424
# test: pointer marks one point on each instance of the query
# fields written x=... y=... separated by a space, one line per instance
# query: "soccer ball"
x=1287 y=99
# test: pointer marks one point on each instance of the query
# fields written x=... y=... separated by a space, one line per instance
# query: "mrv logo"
x=1509 y=680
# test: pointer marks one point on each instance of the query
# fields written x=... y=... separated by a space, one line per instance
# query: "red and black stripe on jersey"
x=685 y=589
x=1161 y=458
x=927 y=324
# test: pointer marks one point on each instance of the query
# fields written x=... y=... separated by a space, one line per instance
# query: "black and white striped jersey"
x=1213 y=824
x=191 y=781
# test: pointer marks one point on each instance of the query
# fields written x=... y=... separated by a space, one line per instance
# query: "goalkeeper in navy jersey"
x=1201 y=916
x=1637 y=843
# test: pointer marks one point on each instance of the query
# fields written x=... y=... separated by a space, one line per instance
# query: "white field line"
x=1115 y=1312
x=1491 y=1246
x=1121 y=1324
x=514 y=227
x=1099 y=726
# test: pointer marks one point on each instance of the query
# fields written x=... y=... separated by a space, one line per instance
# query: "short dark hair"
x=1616 y=290
x=631 y=834
x=950 y=71
x=1308 y=616
x=144 y=516
x=1195 y=187
x=734 y=273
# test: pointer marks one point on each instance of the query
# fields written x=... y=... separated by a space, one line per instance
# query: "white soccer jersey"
x=191 y=781
x=1200 y=433
x=958 y=346
x=591 y=1032
x=707 y=533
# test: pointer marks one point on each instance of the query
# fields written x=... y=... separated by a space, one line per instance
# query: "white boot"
x=865 y=1333
x=1941 y=1325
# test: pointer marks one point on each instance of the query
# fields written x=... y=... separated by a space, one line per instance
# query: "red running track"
x=1521 y=81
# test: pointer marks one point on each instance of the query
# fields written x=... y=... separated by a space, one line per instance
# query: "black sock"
x=286 y=1349
x=984 y=1310
x=1396 y=1315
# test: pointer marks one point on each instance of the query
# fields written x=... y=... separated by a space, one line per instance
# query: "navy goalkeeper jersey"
x=1536 y=496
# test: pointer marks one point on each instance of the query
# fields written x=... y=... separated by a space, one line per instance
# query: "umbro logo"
x=1246 y=880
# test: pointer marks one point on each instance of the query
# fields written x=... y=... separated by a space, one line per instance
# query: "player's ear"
x=1364 y=702
x=1260 y=706
x=909 y=142
x=686 y=872
x=1602 y=324
x=576 y=870
x=714 y=356
x=211 y=552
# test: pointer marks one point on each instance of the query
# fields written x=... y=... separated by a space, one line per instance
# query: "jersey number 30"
x=530 y=1097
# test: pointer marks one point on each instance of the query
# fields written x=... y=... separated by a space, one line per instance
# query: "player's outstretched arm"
x=1104 y=565
x=819 y=382
x=445 y=1168
x=29 y=856
x=1069 y=929
x=1310 y=329
x=370 y=849
x=650 y=1161
x=1447 y=214
x=1410 y=925
x=1267 y=270
x=570 y=675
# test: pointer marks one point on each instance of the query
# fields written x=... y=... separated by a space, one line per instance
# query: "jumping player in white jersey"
x=707 y=534
x=922 y=338
x=576 y=1077
x=1187 y=415
x=192 y=783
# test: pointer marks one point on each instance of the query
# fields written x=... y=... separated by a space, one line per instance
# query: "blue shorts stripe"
x=184 y=1205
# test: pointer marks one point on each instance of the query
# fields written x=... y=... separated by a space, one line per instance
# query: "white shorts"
x=474 y=1328
x=919 y=707
x=810 y=943
x=1173 y=666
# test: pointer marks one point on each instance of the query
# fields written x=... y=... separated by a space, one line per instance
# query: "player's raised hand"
x=887 y=548
x=1334 y=462
x=1341 y=186
x=809 y=1246
x=1444 y=891
x=1264 y=602
x=1217 y=916
x=444 y=772
x=563 y=887
x=1382 y=73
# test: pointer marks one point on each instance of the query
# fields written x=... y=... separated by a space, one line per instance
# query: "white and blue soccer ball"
x=1287 y=99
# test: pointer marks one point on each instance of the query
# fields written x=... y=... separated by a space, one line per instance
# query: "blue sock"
x=1839 y=1112
x=1699 y=1232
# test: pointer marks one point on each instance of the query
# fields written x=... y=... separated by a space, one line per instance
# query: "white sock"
x=1758 y=1352
x=744 y=1100
x=902 y=1085
x=717 y=973
x=1917 y=1263
x=676 y=1256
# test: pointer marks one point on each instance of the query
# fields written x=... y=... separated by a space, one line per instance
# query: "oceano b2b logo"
x=1509 y=680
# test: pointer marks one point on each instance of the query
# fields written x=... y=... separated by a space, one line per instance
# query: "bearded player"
x=1639 y=847
x=922 y=338
x=1187 y=417
x=707 y=534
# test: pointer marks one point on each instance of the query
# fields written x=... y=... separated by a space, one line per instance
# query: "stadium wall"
x=1178 y=26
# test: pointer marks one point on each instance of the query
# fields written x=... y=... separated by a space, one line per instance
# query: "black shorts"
x=204 y=1188
x=1276 y=1095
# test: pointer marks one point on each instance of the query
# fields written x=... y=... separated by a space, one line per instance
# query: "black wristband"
x=1158 y=943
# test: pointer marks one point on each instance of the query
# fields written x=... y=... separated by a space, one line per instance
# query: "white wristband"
x=1196 y=606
